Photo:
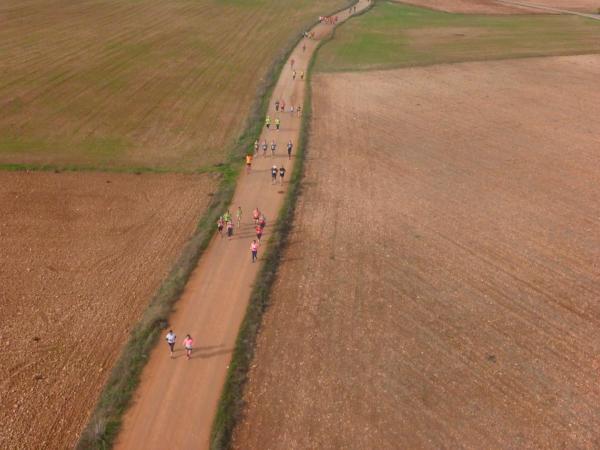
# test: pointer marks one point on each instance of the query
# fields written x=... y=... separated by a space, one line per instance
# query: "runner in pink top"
x=188 y=342
x=254 y=250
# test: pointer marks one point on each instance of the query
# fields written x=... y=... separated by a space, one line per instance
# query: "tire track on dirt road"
x=177 y=399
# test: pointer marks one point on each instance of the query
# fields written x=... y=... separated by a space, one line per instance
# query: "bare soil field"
x=136 y=83
x=82 y=254
x=497 y=7
x=441 y=286
x=469 y=6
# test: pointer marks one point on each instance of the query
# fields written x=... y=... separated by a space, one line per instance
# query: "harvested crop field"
x=145 y=83
x=441 y=286
x=82 y=255
x=469 y=6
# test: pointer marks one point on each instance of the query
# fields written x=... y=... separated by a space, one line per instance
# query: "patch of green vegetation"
x=397 y=35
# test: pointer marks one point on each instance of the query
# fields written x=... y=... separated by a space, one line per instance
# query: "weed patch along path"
x=177 y=399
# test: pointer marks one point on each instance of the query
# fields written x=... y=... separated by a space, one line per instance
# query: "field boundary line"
x=231 y=404
x=549 y=9
x=106 y=419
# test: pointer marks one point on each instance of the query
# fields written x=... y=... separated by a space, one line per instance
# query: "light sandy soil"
x=470 y=6
x=176 y=402
x=82 y=254
x=441 y=285
x=572 y=5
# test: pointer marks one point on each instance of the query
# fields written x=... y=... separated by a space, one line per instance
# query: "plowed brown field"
x=441 y=286
x=497 y=7
x=470 y=6
x=82 y=254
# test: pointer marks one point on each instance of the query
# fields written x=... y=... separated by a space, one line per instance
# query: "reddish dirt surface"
x=470 y=6
x=441 y=285
x=589 y=6
x=82 y=254
x=177 y=399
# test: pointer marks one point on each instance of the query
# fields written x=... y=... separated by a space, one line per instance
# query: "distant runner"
x=273 y=148
x=299 y=110
x=259 y=232
x=171 y=338
x=256 y=145
x=302 y=75
x=239 y=216
x=220 y=225
x=256 y=215
x=294 y=75
x=254 y=250
x=273 y=174
x=289 y=148
x=188 y=342
x=248 y=163
x=281 y=174
x=229 y=229
x=265 y=146
x=277 y=123
x=268 y=122
x=277 y=105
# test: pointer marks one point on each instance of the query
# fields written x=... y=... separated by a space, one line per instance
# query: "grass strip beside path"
x=396 y=35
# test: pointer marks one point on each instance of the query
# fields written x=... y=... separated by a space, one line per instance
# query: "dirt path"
x=549 y=9
x=176 y=401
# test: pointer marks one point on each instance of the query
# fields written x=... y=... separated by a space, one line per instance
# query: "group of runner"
x=328 y=20
x=188 y=344
x=225 y=222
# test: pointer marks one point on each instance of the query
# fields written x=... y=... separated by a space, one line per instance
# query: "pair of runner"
x=226 y=222
x=188 y=344
x=274 y=172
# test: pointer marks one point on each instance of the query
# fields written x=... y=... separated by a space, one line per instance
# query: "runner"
x=294 y=75
x=171 y=338
x=254 y=250
x=299 y=109
x=239 y=216
x=229 y=229
x=292 y=109
x=259 y=232
x=282 y=106
x=262 y=222
x=303 y=47
x=281 y=174
x=248 y=163
x=264 y=147
x=277 y=123
x=188 y=342
x=273 y=148
x=256 y=145
x=268 y=122
x=227 y=216
x=289 y=148
x=273 y=174
x=220 y=225
x=302 y=75
x=256 y=215
x=277 y=105
x=292 y=63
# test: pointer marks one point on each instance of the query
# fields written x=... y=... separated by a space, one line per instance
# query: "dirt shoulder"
x=82 y=254
x=440 y=286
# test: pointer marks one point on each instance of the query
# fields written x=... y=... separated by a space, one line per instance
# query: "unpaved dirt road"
x=441 y=285
x=81 y=254
x=177 y=398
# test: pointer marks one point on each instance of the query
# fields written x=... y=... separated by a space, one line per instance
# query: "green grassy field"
x=394 y=35
x=136 y=83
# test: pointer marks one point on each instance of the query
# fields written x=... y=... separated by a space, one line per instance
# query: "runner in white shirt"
x=171 y=338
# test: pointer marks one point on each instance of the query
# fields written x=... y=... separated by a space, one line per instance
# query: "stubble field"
x=440 y=288
x=82 y=254
x=498 y=7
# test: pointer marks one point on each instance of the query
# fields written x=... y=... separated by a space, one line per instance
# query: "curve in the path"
x=177 y=399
